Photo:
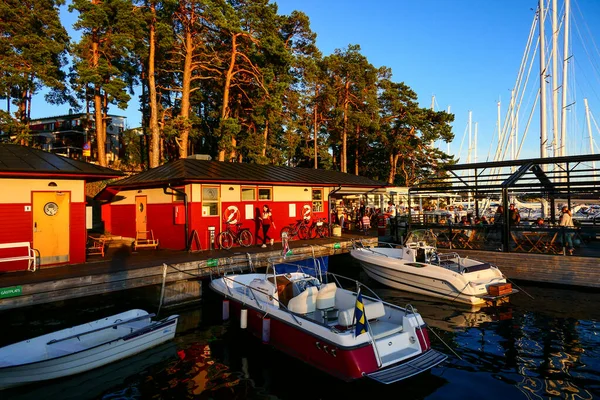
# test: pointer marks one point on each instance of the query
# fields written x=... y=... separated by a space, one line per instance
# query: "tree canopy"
x=234 y=79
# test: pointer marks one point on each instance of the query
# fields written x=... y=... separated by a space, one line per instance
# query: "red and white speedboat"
x=316 y=322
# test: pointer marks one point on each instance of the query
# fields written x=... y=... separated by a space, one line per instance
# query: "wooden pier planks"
x=101 y=282
x=557 y=269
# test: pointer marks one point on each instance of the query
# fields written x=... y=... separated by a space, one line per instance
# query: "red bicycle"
x=319 y=229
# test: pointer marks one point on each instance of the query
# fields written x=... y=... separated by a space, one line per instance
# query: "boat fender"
x=225 y=309
x=244 y=318
x=266 y=329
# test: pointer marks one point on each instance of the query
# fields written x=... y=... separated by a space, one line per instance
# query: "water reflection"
x=545 y=347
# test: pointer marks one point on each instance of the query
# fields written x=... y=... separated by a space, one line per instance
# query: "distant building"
x=66 y=134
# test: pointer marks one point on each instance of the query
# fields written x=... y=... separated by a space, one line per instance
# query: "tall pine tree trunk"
x=265 y=137
x=226 y=90
x=100 y=133
x=393 y=167
x=154 y=130
x=343 y=156
x=185 y=95
x=356 y=150
x=315 y=134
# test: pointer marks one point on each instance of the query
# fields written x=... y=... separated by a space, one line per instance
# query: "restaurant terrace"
x=538 y=189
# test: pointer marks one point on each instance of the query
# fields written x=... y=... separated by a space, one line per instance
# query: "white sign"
x=292 y=211
x=249 y=211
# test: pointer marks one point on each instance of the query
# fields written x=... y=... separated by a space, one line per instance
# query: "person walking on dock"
x=266 y=220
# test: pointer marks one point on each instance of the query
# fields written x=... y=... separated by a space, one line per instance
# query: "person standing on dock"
x=566 y=220
x=391 y=213
x=266 y=220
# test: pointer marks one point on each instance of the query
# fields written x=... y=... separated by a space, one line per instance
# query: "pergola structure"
x=549 y=179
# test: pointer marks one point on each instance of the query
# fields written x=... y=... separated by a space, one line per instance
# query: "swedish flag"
x=359 y=314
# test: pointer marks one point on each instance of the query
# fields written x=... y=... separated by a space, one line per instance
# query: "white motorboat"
x=417 y=267
x=318 y=323
x=83 y=347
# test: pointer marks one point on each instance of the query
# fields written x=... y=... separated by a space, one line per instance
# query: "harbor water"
x=544 y=344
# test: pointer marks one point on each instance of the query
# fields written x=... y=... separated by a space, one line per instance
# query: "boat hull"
x=344 y=363
x=88 y=359
x=445 y=285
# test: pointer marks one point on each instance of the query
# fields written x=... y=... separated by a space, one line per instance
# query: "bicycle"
x=319 y=229
x=300 y=229
x=243 y=236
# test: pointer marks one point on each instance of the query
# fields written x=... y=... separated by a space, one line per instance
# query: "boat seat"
x=380 y=329
x=326 y=296
x=373 y=310
x=305 y=302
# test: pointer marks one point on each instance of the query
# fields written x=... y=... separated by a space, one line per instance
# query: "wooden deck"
x=122 y=269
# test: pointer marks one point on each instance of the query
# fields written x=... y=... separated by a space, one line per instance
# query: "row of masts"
x=509 y=143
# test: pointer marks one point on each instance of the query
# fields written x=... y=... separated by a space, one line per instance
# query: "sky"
x=465 y=54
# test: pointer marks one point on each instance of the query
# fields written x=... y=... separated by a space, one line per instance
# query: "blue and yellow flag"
x=359 y=314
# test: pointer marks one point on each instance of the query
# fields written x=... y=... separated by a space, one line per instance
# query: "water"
x=545 y=347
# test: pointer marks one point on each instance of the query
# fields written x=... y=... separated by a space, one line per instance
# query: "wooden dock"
x=122 y=269
x=543 y=268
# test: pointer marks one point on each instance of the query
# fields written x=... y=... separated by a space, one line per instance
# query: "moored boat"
x=344 y=333
x=416 y=266
x=82 y=348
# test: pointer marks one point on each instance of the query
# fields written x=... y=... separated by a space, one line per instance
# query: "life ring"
x=306 y=212
x=232 y=215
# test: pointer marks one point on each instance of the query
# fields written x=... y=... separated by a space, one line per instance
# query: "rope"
x=518 y=287
x=445 y=344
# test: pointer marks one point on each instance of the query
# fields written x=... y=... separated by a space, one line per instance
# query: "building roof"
x=72 y=116
x=21 y=161
x=189 y=170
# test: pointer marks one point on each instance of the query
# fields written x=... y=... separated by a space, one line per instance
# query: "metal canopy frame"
x=553 y=178
x=556 y=177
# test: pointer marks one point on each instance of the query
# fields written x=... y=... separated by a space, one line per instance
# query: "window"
x=317 y=200
x=248 y=194
x=178 y=196
x=264 y=194
x=210 y=201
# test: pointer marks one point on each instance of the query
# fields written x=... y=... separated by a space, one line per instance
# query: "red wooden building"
x=176 y=199
x=43 y=206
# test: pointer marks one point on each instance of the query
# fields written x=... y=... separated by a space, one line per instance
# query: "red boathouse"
x=182 y=202
x=43 y=207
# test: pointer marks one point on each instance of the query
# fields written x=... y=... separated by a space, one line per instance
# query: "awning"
x=349 y=190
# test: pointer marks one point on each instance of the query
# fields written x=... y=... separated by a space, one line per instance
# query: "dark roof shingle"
x=192 y=170
x=16 y=160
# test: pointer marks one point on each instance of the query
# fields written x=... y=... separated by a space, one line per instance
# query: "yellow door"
x=51 y=219
x=140 y=217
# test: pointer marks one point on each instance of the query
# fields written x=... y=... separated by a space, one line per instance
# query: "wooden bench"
x=96 y=245
x=30 y=255
x=145 y=239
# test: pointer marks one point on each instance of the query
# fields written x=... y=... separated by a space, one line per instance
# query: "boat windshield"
x=421 y=238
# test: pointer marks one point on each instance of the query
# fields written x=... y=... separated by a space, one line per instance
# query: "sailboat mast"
x=543 y=134
x=555 y=132
x=589 y=127
x=498 y=122
x=475 y=141
x=469 y=143
x=448 y=144
x=563 y=118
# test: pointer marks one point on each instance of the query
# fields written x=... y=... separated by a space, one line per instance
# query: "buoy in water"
x=266 y=329
x=225 y=309
x=243 y=318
